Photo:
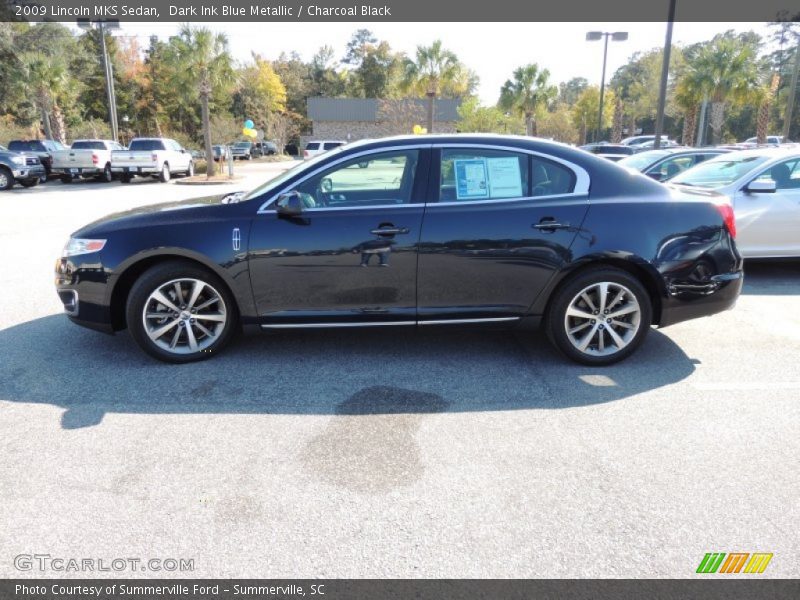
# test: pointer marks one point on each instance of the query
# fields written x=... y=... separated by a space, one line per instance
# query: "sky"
x=492 y=50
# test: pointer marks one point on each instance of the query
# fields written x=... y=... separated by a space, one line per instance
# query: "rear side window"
x=481 y=174
x=549 y=178
x=88 y=145
x=146 y=145
x=331 y=145
x=312 y=146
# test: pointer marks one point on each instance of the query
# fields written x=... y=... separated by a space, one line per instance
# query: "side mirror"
x=290 y=204
x=761 y=187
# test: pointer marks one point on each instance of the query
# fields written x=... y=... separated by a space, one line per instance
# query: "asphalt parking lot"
x=388 y=454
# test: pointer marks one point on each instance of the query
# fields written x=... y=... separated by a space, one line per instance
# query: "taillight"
x=726 y=210
x=95 y=159
x=305 y=153
x=154 y=157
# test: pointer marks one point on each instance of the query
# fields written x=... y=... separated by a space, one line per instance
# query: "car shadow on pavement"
x=774 y=277
x=89 y=374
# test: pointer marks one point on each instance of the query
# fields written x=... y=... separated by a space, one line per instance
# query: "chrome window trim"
x=582 y=178
x=264 y=210
x=582 y=197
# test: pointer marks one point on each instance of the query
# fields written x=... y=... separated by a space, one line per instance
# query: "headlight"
x=18 y=160
x=82 y=246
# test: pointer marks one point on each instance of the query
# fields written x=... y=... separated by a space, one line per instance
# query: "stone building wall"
x=359 y=130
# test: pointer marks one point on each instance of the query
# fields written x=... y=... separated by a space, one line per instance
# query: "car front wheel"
x=599 y=317
x=179 y=313
x=6 y=179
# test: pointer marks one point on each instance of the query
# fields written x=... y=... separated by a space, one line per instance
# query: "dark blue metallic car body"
x=498 y=261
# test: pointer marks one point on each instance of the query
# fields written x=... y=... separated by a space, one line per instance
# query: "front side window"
x=375 y=180
x=786 y=175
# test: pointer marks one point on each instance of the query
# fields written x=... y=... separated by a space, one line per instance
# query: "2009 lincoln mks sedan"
x=430 y=231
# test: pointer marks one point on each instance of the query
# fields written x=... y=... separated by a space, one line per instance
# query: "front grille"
x=31 y=161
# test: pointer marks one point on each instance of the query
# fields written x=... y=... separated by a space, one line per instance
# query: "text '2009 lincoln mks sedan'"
x=430 y=231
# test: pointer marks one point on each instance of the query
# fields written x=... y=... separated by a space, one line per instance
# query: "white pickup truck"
x=84 y=159
x=154 y=157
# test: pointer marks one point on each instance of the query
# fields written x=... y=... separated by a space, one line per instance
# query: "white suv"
x=318 y=147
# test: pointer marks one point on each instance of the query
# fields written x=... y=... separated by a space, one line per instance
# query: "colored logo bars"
x=736 y=562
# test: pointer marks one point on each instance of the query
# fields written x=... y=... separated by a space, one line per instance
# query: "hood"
x=192 y=209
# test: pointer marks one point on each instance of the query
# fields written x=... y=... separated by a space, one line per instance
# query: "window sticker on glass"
x=505 y=179
x=471 y=179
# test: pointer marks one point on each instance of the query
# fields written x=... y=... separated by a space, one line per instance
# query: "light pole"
x=662 y=91
x=593 y=36
x=102 y=26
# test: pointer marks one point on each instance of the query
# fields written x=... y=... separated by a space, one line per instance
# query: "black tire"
x=107 y=176
x=125 y=178
x=164 y=176
x=632 y=328
x=29 y=183
x=6 y=179
x=66 y=179
x=156 y=277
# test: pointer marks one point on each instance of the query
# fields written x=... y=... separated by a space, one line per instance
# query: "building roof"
x=368 y=109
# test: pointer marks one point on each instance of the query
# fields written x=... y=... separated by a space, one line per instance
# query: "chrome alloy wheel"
x=3 y=179
x=602 y=319
x=184 y=316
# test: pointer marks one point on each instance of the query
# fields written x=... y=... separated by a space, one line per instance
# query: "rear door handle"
x=550 y=224
x=389 y=230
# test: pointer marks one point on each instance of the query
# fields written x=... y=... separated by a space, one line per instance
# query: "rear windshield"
x=312 y=146
x=242 y=144
x=88 y=145
x=146 y=145
x=330 y=145
x=19 y=146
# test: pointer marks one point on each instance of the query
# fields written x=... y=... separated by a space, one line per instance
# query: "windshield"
x=273 y=183
x=242 y=145
x=642 y=160
x=720 y=171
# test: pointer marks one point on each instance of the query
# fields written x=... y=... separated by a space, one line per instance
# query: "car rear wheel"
x=599 y=317
x=6 y=179
x=66 y=178
x=106 y=176
x=125 y=178
x=165 y=175
x=179 y=313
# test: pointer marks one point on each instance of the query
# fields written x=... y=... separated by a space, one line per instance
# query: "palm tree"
x=527 y=93
x=435 y=68
x=766 y=94
x=724 y=69
x=688 y=96
x=45 y=80
x=204 y=63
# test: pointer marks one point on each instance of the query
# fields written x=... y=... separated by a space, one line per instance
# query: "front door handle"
x=389 y=230
x=549 y=224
